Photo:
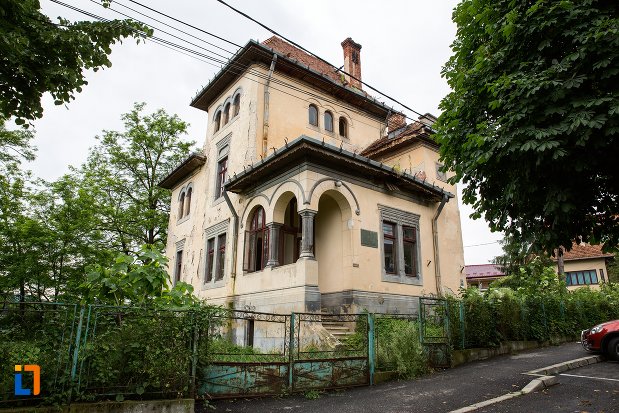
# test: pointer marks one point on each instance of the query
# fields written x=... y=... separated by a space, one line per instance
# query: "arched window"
x=188 y=201
x=181 y=205
x=313 y=115
x=217 y=120
x=343 y=127
x=256 y=242
x=290 y=235
x=237 y=104
x=226 y=113
x=328 y=121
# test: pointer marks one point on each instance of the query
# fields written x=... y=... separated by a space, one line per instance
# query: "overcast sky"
x=405 y=44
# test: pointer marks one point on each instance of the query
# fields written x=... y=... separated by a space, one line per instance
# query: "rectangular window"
x=210 y=254
x=222 y=170
x=588 y=277
x=409 y=240
x=221 y=256
x=602 y=275
x=249 y=332
x=390 y=247
x=179 y=266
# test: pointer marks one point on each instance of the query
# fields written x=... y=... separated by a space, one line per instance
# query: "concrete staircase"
x=337 y=329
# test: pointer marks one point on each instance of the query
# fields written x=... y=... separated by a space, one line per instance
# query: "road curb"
x=546 y=378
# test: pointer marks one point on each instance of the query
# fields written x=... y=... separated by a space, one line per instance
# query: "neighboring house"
x=585 y=264
x=481 y=275
x=310 y=194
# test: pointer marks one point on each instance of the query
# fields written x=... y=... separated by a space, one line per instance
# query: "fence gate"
x=434 y=330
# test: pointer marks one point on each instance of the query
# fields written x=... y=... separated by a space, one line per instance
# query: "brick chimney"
x=352 y=62
x=396 y=121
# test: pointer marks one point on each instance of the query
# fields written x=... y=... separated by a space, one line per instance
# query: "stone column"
x=307 y=234
x=273 y=244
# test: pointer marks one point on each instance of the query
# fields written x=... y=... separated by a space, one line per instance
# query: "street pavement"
x=594 y=388
x=441 y=391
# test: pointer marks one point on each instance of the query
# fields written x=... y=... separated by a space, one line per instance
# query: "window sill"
x=183 y=219
x=223 y=128
x=211 y=285
x=218 y=200
x=402 y=279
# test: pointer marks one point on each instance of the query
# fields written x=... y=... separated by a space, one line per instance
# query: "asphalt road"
x=593 y=388
x=439 y=392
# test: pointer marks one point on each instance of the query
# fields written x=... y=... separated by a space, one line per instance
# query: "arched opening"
x=343 y=127
x=226 y=118
x=181 y=205
x=313 y=115
x=290 y=235
x=188 y=201
x=237 y=104
x=217 y=120
x=332 y=241
x=256 y=242
x=328 y=121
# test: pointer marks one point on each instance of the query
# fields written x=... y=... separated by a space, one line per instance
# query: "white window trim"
x=400 y=218
x=214 y=232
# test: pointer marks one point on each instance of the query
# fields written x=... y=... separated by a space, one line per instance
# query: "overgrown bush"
x=398 y=347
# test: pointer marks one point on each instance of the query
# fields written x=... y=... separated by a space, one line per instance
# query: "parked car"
x=602 y=338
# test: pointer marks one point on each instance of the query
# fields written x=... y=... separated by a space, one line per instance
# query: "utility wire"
x=186 y=24
x=238 y=69
x=479 y=245
x=320 y=58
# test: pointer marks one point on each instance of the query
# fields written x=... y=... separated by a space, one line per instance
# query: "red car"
x=603 y=338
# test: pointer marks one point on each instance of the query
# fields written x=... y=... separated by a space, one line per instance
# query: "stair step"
x=336 y=328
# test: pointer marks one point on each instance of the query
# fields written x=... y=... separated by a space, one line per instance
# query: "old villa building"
x=309 y=194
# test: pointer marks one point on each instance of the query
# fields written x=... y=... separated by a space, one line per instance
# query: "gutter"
x=235 y=236
x=437 y=264
x=265 y=125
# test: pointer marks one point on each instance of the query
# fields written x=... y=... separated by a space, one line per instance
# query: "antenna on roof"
x=286 y=140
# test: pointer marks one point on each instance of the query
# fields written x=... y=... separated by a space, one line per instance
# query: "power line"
x=479 y=245
x=186 y=24
x=321 y=59
x=234 y=68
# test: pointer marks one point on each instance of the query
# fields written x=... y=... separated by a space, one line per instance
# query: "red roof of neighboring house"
x=584 y=252
x=483 y=271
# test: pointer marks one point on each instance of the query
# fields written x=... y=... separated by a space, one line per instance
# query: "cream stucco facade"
x=305 y=223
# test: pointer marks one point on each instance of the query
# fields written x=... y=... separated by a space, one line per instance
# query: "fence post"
x=76 y=349
x=462 y=325
x=371 y=349
x=290 y=352
x=194 y=355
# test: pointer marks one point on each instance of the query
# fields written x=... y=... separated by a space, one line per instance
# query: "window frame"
x=256 y=227
x=217 y=121
x=214 y=272
x=236 y=105
x=309 y=115
x=222 y=170
x=226 y=114
x=343 y=121
x=328 y=115
x=579 y=278
x=178 y=266
x=400 y=220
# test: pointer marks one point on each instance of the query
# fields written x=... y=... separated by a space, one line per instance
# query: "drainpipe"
x=265 y=125
x=235 y=236
x=437 y=264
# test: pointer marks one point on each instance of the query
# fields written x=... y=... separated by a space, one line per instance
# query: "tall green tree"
x=39 y=55
x=122 y=173
x=532 y=123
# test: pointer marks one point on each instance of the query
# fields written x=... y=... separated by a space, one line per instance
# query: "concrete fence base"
x=459 y=357
x=149 y=406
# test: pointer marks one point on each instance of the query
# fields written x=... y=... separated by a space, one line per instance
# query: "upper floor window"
x=218 y=120
x=178 y=269
x=343 y=127
x=328 y=121
x=313 y=115
x=184 y=201
x=237 y=104
x=226 y=116
x=222 y=171
x=256 y=242
x=181 y=205
x=390 y=247
x=188 y=201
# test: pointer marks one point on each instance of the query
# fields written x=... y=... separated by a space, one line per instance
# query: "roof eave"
x=193 y=161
